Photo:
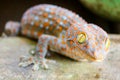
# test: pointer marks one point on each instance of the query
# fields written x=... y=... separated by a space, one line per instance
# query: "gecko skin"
x=62 y=31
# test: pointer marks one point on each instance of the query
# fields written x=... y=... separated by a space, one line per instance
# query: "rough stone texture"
x=65 y=69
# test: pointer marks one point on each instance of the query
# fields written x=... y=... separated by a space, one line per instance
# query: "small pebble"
x=97 y=75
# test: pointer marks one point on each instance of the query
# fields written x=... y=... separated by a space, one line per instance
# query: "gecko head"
x=89 y=40
x=11 y=28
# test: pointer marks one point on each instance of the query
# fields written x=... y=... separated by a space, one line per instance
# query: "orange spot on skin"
x=78 y=32
x=40 y=32
x=55 y=32
x=30 y=19
x=65 y=21
x=63 y=36
x=54 y=25
x=63 y=49
x=51 y=28
x=37 y=24
x=45 y=14
x=96 y=43
x=32 y=31
x=75 y=28
x=40 y=46
x=25 y=30
x=52 y=12
x=41 y=50
x=106 y=49
x=71 y=42
x=74 y=39
x=87 y=46
x=63 y=42
x=66 y=28
x=54 y=18
x=46 y=24
x=60 y=28
x=55 y=40
x=58 y=20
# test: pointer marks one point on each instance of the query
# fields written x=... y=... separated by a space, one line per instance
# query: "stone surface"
x=65 y=69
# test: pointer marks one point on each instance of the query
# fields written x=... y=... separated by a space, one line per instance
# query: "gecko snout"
x=101 y=51
x=99 y=56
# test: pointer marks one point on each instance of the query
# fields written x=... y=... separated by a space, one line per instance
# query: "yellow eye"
x=107 y=44
x=81 y=38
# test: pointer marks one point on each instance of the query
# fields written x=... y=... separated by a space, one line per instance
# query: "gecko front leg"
x=38 y=59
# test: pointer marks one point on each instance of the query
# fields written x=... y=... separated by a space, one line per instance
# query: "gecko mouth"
x=83 y=54
x=87 y=56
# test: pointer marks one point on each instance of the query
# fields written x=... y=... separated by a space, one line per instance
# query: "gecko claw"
x=24 y=64
x=25 y=61
x=44 y=65
x=45 y=62
x=36 y=67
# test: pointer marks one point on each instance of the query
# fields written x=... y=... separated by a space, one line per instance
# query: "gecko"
x=59 y=30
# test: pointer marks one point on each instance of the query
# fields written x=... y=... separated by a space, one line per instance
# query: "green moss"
x=109 y=9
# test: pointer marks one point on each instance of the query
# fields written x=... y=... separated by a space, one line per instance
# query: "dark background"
x=13 y=10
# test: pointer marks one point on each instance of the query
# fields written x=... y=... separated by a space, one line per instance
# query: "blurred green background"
x=109 y=9
x=92 y=13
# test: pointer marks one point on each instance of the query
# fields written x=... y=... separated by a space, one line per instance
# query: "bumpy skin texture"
x=60 y=30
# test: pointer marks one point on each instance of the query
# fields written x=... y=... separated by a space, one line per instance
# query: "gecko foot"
x=26 y=61
x=42 y=64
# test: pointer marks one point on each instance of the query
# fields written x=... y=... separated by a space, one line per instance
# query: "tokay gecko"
x=59 y=30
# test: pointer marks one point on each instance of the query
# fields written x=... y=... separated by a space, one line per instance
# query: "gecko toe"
x=25 y=61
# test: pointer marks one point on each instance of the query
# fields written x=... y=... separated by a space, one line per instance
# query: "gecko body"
x=62 y=31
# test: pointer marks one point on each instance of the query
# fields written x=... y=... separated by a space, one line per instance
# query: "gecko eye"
x=107 y=44
x=81 y=38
